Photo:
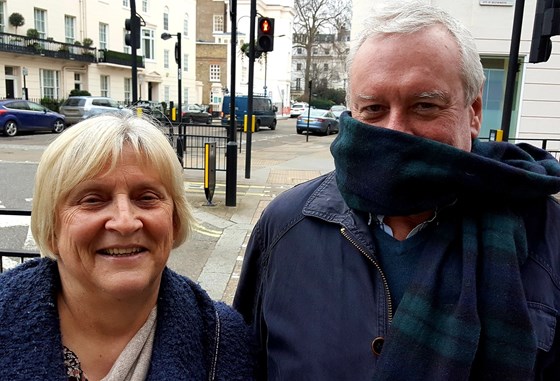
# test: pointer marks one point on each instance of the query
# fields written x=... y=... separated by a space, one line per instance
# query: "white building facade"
x=536 y=108
x=56 y=68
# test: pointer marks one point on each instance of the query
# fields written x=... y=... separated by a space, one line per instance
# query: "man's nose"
x=397 y=121
x=124 y=217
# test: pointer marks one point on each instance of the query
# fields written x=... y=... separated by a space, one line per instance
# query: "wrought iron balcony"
x=15 y=43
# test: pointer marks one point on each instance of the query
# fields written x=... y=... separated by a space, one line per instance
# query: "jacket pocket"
x=543 y=318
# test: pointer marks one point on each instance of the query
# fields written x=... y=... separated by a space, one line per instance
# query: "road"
x=279 y=160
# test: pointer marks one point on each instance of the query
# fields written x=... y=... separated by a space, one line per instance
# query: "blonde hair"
x=84 y=150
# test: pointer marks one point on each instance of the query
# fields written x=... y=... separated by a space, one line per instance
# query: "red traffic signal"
x=265 y=36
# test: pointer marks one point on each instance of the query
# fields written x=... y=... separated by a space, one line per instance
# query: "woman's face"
x=115 y=231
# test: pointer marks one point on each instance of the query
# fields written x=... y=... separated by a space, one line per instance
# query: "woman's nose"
x=124 y=217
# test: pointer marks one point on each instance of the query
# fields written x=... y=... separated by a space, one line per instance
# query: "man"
x=426 y=254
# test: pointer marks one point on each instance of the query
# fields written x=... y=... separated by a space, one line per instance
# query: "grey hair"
x=89 y=148
x=407 y=17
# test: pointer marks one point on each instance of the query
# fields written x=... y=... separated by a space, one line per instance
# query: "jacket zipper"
x=212 y=373
x=383 y=278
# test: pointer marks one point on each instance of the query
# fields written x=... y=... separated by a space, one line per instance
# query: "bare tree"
x=314 y=20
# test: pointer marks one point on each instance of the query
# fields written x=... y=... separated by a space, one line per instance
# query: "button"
x=377 y=345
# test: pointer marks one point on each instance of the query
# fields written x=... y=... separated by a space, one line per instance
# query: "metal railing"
x=18 y=255
x=15 y=43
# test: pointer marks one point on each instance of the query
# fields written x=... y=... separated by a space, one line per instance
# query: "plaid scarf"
x=481 y=328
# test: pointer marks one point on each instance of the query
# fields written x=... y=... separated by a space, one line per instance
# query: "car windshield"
x=338 y=108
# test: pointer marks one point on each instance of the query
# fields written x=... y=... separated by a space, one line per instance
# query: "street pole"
x=512 y=68
x=133 y=47
x=181 y=128
x=265 y=70
x=308 y=112
x=252 y=16
x=231 y=150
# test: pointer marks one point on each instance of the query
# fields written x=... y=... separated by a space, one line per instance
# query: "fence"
x=18 y=255
x=193 y=137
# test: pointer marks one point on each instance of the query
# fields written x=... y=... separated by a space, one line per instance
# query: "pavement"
x=223 y=231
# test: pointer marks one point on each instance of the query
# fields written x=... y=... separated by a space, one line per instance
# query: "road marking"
x=205 y=231
x=9 y=221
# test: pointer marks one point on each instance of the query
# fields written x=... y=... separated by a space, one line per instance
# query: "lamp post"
x=178 y=59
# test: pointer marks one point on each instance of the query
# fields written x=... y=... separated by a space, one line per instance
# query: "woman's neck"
x=97 y=328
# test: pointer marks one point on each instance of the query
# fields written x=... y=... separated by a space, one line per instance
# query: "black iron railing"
x=18 y=255
x=15 y=43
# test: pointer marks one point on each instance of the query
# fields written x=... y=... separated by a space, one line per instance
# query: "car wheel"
x=58 y=126
x=209 y=120
x=257 y=126
x=299 y=132
x=327 y=130
x=190 y=120
x=273 y=125
x=10 y=128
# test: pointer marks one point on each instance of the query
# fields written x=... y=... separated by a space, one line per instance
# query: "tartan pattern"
x=485 y=332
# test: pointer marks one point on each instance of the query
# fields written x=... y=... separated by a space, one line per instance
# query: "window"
x=185 y=62
x=298 y=83
x=327 y=52
x=218 y=23
x=77 y=81
x=215 y=73
x=103 y=35
x=2 y=16
x=145 y=6
x=126 y=48
x=185 y=94
x=127 y=90
x=166 y=19
x=299 y=51
x=166 y=59
x=326 y=67
x=126 y=3
x=166 y=94
x=69 y=29
x=148 y=43
x=49 y=83
x=298 y=66
x=41 y=22
x=186 y=26
x=315 y=51
x=104 y=82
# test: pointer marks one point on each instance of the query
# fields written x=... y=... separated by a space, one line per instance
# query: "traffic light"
x=546 y=25
x=132 y=38
x=265 y=36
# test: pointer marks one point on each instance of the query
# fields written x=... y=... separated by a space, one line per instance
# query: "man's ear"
x=476 y=115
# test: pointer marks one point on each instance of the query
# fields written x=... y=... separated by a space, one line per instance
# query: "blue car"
x=19 y=115
x=318 y=120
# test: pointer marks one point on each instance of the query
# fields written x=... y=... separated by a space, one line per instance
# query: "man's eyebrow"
x=434 y=94
x=367 y=97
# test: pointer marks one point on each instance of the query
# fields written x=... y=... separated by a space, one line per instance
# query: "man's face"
x=412 y=83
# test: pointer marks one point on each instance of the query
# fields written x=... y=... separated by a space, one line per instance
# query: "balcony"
x=118 y=58
x=17 y=44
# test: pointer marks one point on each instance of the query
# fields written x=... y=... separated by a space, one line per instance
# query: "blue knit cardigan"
x=196 y=338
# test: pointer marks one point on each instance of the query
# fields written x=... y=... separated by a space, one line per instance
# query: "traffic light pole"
x=133 y=47
x=513 y=66
x=252 y=16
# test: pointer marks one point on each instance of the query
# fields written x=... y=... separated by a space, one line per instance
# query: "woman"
x=108 y=207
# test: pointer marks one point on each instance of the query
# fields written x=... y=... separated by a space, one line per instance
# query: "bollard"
x=253 y=119
x=209 y=171
x=496 y=135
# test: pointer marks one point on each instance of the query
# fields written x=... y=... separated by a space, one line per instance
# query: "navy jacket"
x=312 y=290
x=195 y=339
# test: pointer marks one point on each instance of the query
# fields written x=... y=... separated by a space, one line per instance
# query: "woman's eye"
x=89 y=200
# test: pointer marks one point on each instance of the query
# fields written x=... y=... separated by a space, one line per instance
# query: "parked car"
x=321 y=121
x=298 y=109
x=78 y=108
x=263 y=110
x=194 y=113
x=18 y=115
x=337 y=110
x=155 y=109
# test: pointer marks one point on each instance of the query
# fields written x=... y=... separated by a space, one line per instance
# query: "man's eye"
x=374 y=108
x=426 y=106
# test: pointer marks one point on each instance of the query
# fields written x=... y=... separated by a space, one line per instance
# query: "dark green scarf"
x=475 y=326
